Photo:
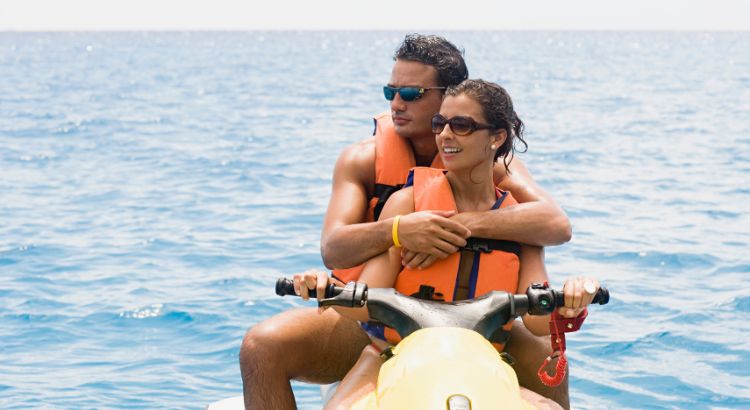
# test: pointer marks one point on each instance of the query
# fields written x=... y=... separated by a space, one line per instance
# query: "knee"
x=369 y=358
x=538 y=401
x=260 y=345
x=544 y=403
x=370 y=353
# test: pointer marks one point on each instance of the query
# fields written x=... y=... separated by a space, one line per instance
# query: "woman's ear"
x=498 y=139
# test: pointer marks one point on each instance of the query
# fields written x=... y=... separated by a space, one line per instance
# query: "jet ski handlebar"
x=407 y=314
x=354 y=294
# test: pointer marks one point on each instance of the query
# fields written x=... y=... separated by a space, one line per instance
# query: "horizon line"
x=307 y=29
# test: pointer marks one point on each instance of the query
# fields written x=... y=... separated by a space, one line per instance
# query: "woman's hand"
x=578 y=294
x=311 y=279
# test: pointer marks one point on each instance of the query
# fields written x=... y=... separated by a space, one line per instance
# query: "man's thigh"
x=311 y=345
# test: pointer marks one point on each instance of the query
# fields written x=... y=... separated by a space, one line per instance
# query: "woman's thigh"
x=360 y=381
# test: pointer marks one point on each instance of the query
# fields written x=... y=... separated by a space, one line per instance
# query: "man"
x=276 y=351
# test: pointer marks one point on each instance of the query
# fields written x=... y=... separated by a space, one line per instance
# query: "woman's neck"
x=473 y=190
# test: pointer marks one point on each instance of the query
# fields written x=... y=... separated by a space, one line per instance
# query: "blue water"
x=154 y=185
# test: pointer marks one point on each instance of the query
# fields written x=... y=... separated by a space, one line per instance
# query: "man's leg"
x=530 y=351
x=301 y=344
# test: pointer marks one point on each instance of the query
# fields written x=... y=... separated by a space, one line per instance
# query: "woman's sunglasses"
x=407 y=93
x=459 y=125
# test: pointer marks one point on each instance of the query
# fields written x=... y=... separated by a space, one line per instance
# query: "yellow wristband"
x=394 y=231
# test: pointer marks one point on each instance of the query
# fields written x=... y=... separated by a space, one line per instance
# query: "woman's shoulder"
x=403 y=196
x=508 y=199
x=400 y=203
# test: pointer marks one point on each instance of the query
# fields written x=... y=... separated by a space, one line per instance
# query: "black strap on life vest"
x=488 y=245
x=383 y=192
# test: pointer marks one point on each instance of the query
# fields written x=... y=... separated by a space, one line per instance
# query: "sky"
x=52 y=15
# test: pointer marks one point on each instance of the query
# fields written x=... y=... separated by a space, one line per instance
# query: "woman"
x=476 y=126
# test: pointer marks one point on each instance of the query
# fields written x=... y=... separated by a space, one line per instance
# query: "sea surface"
x=154 y=185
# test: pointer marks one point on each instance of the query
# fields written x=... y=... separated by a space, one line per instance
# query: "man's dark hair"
x=438 y=52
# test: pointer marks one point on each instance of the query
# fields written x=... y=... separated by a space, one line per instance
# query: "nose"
x=442 y=137
x=446 y=133
x=398 y=104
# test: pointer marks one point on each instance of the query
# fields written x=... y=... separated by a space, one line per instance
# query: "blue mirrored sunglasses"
x=407 y=93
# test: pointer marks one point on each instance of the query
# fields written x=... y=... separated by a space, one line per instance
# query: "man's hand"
x=428 y=236
x=579 y=292
x=313 y=279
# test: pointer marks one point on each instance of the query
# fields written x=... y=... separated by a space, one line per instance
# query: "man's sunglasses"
x=407 y=93
x=459 y=125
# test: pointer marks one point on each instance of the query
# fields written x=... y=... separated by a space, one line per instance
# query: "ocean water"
x=154 y=185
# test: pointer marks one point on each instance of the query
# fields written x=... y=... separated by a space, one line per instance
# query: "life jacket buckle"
x=477 y=245
x=387 y=353
x=427 y=292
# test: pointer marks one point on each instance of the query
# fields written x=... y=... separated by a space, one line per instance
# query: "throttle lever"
x=354 y=294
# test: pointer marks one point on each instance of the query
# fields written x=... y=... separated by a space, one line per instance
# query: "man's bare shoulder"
x=360 y=151
x=514 y=179
x=358 y=161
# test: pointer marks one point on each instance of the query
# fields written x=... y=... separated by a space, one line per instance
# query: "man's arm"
x=533 y=270
x=346 y=241
x=382 y=270
x=536 y=220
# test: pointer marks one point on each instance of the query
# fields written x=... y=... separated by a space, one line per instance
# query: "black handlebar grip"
x=285 y=287
x=601 y=297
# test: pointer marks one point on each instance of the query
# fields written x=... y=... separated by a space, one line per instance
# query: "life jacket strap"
x=488 y=245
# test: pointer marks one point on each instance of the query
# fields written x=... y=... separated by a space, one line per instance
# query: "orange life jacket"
x=394 y=158
x=496 y=267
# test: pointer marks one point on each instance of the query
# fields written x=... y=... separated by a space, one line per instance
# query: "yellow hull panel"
x=431 y=365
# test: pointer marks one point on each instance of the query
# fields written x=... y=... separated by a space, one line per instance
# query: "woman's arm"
x=382 y=270
x=347 y=241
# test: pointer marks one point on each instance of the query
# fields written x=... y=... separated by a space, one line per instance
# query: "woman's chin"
x=448 y=158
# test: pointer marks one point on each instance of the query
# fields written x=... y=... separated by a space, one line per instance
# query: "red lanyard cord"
x=558 y=326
